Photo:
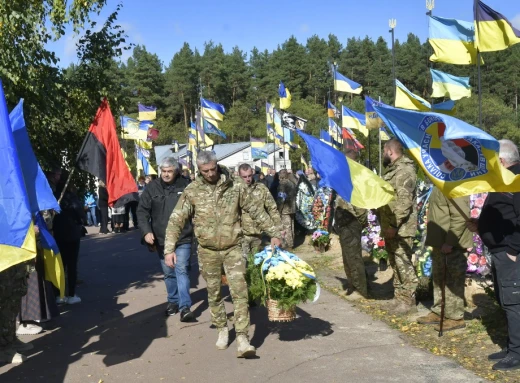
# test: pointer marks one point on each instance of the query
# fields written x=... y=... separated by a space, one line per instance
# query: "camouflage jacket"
x=262 y=196
x=216 y=213
x=345 y=210
x=401 y=212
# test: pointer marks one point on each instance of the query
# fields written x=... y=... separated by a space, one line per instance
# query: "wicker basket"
x=276 y=314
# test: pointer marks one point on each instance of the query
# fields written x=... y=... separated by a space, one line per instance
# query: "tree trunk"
x=185 y=111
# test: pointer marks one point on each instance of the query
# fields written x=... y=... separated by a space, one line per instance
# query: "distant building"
x=232 y=155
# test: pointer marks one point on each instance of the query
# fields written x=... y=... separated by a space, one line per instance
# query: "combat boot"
x=404 y=306
x=244 y=349
x=223 y=339
x=9 y=355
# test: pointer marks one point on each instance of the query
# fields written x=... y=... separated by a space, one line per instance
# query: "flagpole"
x=479 y=92
x=392 y=23
x=380 y=160
x=430 y=4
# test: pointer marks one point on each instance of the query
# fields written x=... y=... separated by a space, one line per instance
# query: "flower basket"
x=321 y=247
x=276 y=314
x=320 y=240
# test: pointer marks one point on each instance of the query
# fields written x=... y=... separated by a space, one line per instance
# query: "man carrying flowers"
x=215 y=202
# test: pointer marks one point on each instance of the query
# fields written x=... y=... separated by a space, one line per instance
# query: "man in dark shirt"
x=155 y=207
x=499 y=228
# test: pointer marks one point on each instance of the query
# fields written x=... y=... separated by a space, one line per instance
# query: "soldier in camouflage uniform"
x=348 y=223
x=215 y=202
x=286 y=203
x=252 y=240
x=399 y=224
x=13 y=286
x=450 y=239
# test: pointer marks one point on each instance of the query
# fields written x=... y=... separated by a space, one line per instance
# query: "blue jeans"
x=177 y=280
x=91 y=216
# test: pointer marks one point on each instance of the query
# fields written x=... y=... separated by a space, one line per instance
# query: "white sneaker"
x=223 y=339
x=73 y=300
x=28 y=329
x=61 y=301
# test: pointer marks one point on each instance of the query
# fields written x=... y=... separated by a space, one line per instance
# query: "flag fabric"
x=132 y=129
x=125 y=156
x=285 y=96
x=493 y=31
x=407 y=100
x=350 y=141
x=325 y=137
x=17 y=237
x=52 y=261
x=343 y=84
x=354 y=120
x=183 y=163
x=38 y=189
x=212 y=110
x=352 y=181
x=145 y=165
x=145 y=144
x=258 y=148
x=147 y=112
x=152 y=134
x=292 y=122
x=304 y=163
x=332 y=111
x=192 y=139
x=447 y=85
x=277 y=120
x=101 y=156
x=373 y=121
x=334 y=129
x=211 y=128
x=384 y=134
x=460 y=159
x=265 y=167
x=269 y=110
x=200 y=136
x=452 y=41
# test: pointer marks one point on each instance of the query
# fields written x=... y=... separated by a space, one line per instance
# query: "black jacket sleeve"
x=144 y=210
x=513 y=247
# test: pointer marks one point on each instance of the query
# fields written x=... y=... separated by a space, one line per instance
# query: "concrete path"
x=119 y=334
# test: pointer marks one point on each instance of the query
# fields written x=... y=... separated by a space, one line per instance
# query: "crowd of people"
x=224 y=215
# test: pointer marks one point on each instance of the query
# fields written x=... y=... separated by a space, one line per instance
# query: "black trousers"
x=506 y=276
x=69 y=251
x=103 y=221
x=130 y=207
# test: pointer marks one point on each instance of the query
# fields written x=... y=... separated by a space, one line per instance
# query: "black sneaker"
x=508 y=363
x=498 y=355
x=172 y=309
x=187 y=315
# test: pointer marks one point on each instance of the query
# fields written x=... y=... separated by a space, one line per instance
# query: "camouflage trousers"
x=400 y=257
x=456 y=264
x=349 y=231
x=288 y=227
x=251 y=244
x=13 y=286
x=211 y=263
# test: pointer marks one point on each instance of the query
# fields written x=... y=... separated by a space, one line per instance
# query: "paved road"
x=120 y=334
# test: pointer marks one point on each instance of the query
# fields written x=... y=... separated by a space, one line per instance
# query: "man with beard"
x=398 y=225
x=215 y=201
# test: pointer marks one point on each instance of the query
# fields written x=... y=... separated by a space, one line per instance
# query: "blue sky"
x=164 y=25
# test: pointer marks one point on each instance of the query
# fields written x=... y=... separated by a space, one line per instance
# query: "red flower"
x=381 y=243
x=473 y=259
x=482 y=261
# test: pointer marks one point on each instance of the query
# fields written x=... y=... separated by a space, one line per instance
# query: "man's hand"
x=36 y=229
x=472 y=225
x=390 y=233
x=512 y=257
x=446 y=249
x=275 y=242
x=149 y=238
x=170 y=260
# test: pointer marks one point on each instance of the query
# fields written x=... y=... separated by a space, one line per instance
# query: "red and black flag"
x=101 y=156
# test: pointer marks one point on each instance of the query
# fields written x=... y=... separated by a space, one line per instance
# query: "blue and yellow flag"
x=343 y=84
x=493 y=31
x=212 y=128
x=145 y=165
x=146 y=113
x=277 y=120
x=38 y=189
x=53 y=264
x=460 y=159
x=200 y=136
x=332 y=111
x=285 y=96
x=258 y=148
x=304 y=162
x=452 y=41
x=17 y=237
x=269 y=110
x=211 y=110
x=447 y=85
x=352 y=181
x=334 y=129
x=407 y=100
x=325 y=137
x=372 y=119
x=192 y=139
x=132 y=129
x=354 y=120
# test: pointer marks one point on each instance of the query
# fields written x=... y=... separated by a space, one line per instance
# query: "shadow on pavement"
x=98 y=325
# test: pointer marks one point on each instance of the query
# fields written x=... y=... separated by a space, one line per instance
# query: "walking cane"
x=66 y=185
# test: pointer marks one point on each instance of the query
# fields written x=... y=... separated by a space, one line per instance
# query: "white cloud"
x=516 y=21
x=134 y=36
x=304 y=28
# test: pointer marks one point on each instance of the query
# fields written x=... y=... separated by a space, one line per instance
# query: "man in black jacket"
x=499 y=228
x=155 y=207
